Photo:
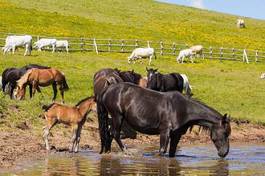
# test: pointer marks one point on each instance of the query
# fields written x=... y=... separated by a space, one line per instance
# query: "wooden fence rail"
x=162 y=48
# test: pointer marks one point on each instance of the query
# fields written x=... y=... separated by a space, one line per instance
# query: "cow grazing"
x=185 y=53
x=45 y=42
x=14 y=41
x=198 y=50
x=140 y=53
x=62 y=44
x=240 y=23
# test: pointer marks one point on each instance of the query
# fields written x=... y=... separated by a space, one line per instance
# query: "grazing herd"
x=126 y=103
x=13 y=42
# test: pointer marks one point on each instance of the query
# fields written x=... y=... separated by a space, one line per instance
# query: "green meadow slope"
x=230 y=87
x=141 y=19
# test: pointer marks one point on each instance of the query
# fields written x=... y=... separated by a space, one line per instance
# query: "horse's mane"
x=24 y=78
x=47 y=107
x=85 y=99
x=203 y=104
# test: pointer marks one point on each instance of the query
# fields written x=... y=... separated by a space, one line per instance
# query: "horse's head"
x=151 y=78
x=19 y=92
x=220 y=133
x=130 y=76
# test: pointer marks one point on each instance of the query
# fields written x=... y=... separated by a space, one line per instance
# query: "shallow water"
x=190 y=160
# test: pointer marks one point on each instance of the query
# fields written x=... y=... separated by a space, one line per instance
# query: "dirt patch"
x=18 y=144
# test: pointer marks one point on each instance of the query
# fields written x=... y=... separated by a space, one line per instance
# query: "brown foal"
x=72 y=116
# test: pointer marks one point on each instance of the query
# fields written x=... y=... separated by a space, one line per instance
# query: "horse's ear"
x=156 y=70
x=146 y=69
x=226 y=119
x=132 y=70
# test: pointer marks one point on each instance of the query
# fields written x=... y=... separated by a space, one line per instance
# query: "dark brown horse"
x=168 y=82
x=42 y=77
x=102 y=79
x=168 y=114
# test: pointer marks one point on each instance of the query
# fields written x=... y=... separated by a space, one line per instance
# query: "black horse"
x=169 y=114
x=102 y=80
x=11 y=75
x=167 y=82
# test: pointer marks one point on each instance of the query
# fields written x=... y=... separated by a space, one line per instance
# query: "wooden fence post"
x=161 y=48
x=245 y=56
x=174 y=48
x=221 y=53
x=211 y=52
x=136 y=44
x=82 y=44
x=109 y=45
x=95 y=45
x=148 y=44
x=122 y=45
x=256 y=56
x=233 y=53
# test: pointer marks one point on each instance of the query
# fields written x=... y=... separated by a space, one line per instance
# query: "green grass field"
x=230 y=87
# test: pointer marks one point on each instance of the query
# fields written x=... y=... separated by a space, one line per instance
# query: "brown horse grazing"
x=41 y=77
x=72 y=116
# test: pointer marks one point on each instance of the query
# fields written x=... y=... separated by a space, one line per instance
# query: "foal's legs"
x=50 y=123
x=54 y=87
x=74 y=137
x=76 y=147
x=150 y=59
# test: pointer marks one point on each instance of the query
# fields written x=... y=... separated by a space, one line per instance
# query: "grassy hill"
x=142 y=19
x=230 y=87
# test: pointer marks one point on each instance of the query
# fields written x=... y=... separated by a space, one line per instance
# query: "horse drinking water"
x=42 y=77
x=72 y=116
x=168 y=114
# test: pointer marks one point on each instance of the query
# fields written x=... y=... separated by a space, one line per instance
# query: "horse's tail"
x=186 y=85
x=47 y=107
x=103 y=125
x=24 y=79
x=65 y=86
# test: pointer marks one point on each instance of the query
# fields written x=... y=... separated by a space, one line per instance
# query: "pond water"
x=190 y=160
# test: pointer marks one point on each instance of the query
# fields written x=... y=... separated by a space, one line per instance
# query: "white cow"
x=45 y=42
x=185 y=53
x=62 y=43
x=140 y=53
x=240 y=23
x=14 y=41
x=197 y=49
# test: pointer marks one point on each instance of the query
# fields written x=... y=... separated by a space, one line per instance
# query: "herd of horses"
x=126 y=102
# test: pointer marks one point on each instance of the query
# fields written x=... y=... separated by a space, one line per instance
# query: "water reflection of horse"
x=170 y=118
x=162 y=166
x=101 y=83
x=42 y=77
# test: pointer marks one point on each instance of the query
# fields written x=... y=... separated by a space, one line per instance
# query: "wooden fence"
x=162 y=48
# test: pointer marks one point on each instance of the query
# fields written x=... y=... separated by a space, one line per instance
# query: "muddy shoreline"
x=23 y=144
